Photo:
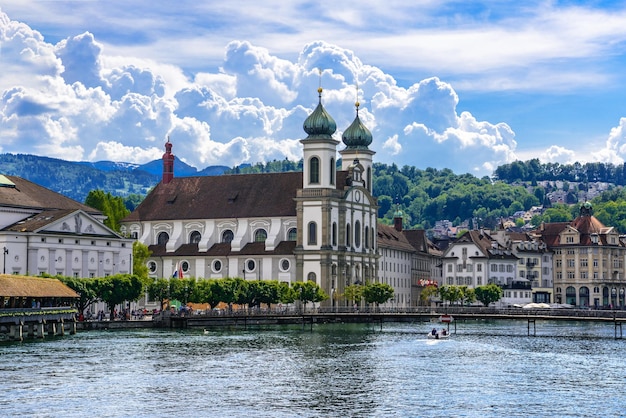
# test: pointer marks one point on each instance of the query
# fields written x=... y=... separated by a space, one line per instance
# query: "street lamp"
x=5 y=251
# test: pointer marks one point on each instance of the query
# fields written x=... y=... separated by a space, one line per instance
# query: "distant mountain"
x=76 y=179
x=110 y=165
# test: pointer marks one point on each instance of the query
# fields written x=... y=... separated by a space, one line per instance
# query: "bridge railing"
x=427 y=311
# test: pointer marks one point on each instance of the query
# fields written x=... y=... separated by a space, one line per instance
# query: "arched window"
x=570 y=295
x=366 y=236
x=312 y=238
x=334 y=234
x=583 y=293
x=348 y=237
x=260 y=235
x=194 y=238
x=162 y=238
x=357 y=234
x=368 y=186
x=332 y=171
x=227 y=236
x=314 y=170
x=311 y=277
x=292 y=234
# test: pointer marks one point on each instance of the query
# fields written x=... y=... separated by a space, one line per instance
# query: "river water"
x=486 y=369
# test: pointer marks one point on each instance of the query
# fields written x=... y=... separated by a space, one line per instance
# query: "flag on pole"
x=176 y=271
x=180 y=271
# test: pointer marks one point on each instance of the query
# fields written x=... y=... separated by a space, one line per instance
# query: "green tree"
x=159 y=289
x=377 y=293
x=428 y=293
x=182 y=289
x=205 y=291
x=141 y=254
x=451 y=293
x=86 y=289
x=117 y=289
x=353 y=293
x=268 y=292
x=112 y=207
x=309 y=292
x=488 y=293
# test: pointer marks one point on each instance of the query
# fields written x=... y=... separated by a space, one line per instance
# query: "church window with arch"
x=314 y=170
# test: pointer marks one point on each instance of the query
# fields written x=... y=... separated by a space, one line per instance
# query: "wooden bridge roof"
x=35 y=287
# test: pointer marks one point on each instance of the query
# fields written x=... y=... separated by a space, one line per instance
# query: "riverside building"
x=45 y=232
x=588 y=260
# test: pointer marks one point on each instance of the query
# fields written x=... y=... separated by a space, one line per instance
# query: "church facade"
x=316 y=225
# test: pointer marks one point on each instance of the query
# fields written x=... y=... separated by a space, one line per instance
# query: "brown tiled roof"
x=389 y=237
x=224 y=197
x=26 y=194
x=485 y=243
x=417 y=239
x=38 y=287
x=585 y=225
x=220 y=197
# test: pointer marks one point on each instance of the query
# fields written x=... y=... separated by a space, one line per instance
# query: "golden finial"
x=319 y=89
x=357 y=104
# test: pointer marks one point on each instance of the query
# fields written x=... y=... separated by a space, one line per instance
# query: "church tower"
x=319 y=149
x=168 y=163
x=336 y=220
x=357 y=156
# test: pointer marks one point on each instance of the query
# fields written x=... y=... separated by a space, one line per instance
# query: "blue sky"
x=445 y=84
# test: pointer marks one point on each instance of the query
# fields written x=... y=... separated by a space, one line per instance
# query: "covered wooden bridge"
x=34 y=306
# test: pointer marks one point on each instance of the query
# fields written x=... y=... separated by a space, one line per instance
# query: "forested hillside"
x=76 y=180
x=429 y=195
x=533 y=171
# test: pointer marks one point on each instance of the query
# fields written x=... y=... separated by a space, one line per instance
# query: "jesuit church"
x=319 y=224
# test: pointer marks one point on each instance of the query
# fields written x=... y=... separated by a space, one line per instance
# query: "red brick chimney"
x=397 y=220
x=168 y=163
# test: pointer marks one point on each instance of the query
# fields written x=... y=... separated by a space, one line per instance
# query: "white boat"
x=438 y=334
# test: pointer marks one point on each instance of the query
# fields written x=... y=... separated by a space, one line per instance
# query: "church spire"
x=168 y=162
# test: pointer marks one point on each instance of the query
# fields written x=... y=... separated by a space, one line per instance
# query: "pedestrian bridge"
x=250 y=317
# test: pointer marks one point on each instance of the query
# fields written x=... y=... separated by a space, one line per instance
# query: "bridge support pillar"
x=51 y=328
x=39 y=330
x=61 y=328
x=17 y=332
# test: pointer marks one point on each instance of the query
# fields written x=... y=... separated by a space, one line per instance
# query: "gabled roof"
x=485 y=243
x=38 y=287
x=25 y=194
x=389 y=237
x=584 y=225
x=63 y=221
x=219 y=197
x=224 y=197
x=417 y=238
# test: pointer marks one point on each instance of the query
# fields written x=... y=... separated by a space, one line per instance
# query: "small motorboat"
x=438 y=334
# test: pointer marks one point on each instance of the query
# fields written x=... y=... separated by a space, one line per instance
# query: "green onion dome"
x=319 y=124
x=357 y=136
